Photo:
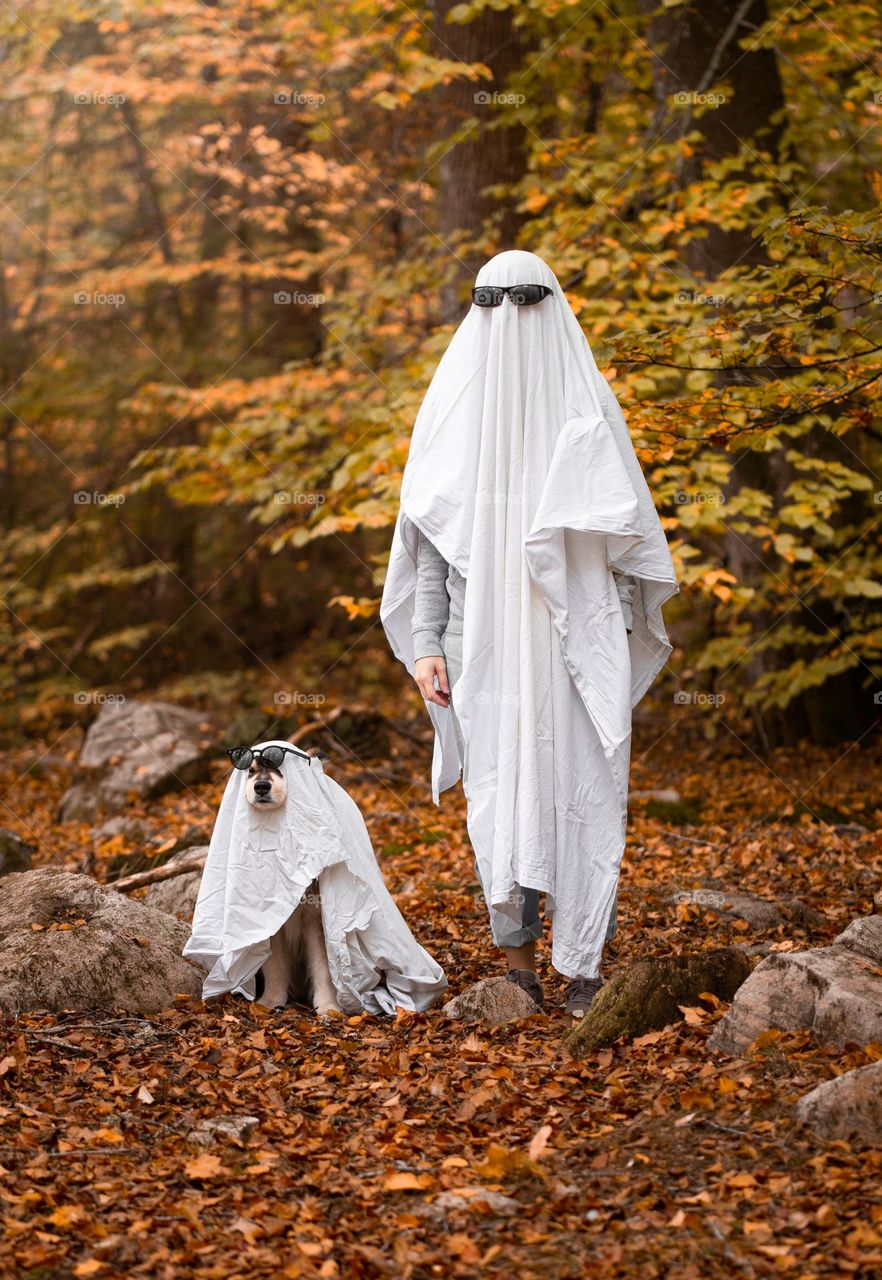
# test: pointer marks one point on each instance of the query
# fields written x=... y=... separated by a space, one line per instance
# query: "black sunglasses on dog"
x=522 y=295
x=272 y=757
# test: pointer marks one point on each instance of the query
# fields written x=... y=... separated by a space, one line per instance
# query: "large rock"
x=760 y=913
x=92 y=948
x=178 y=895
x=131 y=829
x=136 y=748
x=477 y=1199
x=15 y=853
x=236 y=1127
x=834 y=992
x=864 y=937
x=648 y=995
x=493 y=1001
x=848 y=1107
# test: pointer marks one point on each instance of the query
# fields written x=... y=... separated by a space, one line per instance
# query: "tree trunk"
x=485 y=159
x=697 y=46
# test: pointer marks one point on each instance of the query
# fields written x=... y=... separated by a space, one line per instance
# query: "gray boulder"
x=864 y=937
x=493 y=1001
x=835 y=992
x=848 y=1107
x=178 y=895
x=15 y=853
x=477 y=1199
x=140 y=749
x=236 y=1127
x=129 y=828
x=760 y=913
x=92 y=948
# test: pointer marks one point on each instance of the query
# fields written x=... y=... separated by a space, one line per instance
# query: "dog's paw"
x=271 y=1006
x=327 y=1012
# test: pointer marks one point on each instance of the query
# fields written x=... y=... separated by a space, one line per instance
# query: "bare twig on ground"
x=167 y=871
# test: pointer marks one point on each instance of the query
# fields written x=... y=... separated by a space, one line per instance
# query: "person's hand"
x=424 y=672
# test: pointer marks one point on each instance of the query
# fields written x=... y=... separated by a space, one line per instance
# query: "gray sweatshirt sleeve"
x=432 y=603
x=625 y=585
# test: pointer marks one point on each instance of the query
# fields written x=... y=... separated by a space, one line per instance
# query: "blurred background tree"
x=236 y=239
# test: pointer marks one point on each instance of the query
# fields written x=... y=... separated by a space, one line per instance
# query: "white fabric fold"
x=261 y=862
x=522 y=473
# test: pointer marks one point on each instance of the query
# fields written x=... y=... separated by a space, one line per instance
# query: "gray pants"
x=506 y=931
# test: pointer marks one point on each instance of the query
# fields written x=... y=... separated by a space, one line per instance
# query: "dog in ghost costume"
x=297 y=966
x=291 y=889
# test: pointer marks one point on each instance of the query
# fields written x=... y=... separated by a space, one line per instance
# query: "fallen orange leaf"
x=407 y=1182
x=204 y=1166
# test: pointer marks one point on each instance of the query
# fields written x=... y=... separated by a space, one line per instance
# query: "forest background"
x=237 y=237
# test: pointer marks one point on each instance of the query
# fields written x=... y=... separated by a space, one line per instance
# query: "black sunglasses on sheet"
x=522 y=295
x=272 y=757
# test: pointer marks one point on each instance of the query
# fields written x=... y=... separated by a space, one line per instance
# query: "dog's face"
x=266 y=788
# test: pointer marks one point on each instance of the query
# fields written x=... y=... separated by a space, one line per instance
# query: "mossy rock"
x=647 y=995
x=822 y=812
x=253 y=724
x=677 y=813
x=15 y=852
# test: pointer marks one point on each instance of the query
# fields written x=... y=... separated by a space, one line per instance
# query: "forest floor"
x=420 y=1148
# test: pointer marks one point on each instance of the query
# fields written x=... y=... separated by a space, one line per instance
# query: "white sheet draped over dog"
x=260 y=863
x=522 y=473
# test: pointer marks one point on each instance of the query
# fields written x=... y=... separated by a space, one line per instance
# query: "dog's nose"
x=263 y=787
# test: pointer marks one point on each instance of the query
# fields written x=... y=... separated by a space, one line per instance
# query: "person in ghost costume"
x=523 y=498
x=260 y=863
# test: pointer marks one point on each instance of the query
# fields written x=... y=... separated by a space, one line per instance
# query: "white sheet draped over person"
x=522 y=474
x=259 y=865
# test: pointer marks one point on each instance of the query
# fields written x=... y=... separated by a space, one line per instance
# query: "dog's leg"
x=324 y=997
x=276 y=974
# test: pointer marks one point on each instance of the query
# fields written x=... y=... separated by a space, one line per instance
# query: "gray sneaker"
x=527 y=980
x=580 y=995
